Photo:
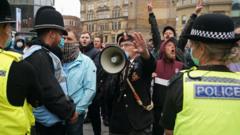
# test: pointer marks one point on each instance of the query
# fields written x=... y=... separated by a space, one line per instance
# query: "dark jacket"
x=23 y=84
x=126 y=113
x=156 y=36
x=182 y=42
x=53 y=97
x=91 y=52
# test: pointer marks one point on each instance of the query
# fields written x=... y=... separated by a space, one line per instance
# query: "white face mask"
x=19 y=44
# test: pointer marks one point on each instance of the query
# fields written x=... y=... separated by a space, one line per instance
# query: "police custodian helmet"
x=47 y=17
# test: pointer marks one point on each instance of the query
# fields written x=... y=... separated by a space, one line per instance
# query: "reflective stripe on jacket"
x=14 y=120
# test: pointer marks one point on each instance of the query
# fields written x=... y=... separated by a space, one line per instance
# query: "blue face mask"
x=61 y=44
x=195 y=60
x=8 y=43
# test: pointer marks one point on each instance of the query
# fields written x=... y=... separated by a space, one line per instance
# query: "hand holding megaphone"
x=140 y=44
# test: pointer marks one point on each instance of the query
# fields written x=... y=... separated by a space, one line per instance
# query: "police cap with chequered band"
x=213 y=28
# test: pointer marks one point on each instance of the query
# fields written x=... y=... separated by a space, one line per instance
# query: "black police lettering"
x=217 y=91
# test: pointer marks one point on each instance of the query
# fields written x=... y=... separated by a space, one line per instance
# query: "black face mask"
x=57 y=51
x=70 y=52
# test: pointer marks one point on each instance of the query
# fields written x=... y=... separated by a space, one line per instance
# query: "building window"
x=24 y=2
x=90 y=27
x=125 y=1
x=116 y=12
x=103 y=27
x=106 y=38
x=125 y=11
x=90 y=15
x=116 y=25
x=113 y=39
x=103 y=14
x=116 y=2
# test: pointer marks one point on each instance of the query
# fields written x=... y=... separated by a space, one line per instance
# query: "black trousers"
x=57 y=129
x=157 y=128
x=94 y=115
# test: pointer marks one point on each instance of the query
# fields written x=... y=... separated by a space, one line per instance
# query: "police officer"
x=56 y=106
x=19 y=84
x=206 y=100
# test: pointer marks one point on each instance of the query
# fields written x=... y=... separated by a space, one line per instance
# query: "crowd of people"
x=183 y=85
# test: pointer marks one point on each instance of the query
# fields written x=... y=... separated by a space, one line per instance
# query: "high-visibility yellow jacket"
x=14 y=120
x=211 y=105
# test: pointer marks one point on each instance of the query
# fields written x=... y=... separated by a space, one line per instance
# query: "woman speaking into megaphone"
x=132 y=105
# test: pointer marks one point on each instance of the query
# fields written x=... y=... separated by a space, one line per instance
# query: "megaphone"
x=113 y=59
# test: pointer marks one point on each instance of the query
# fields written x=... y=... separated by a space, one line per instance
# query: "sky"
x=68 y=7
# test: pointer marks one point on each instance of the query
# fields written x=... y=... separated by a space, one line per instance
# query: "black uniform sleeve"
x=34 y=88
x=187 y=29
x=173 y=102
x=52 y=96
x=22 y=83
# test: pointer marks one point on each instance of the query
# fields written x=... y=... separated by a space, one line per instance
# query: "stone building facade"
x=107 y=18
x=184 y=9
x=72 y=22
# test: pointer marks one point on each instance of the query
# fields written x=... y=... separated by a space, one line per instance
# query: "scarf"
x=70 y=52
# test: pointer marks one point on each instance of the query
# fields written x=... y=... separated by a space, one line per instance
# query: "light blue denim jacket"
x=81 y=81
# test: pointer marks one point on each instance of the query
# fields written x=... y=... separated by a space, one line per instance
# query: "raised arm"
x=187 y=29
x=156 y=37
